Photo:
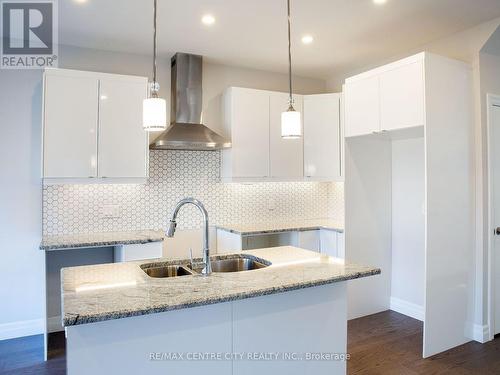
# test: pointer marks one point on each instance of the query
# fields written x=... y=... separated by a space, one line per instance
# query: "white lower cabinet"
x=309 y=240
x=329 y=245
x=92 y=127
x=325 y=241
x=127 y=253
x=291 y=326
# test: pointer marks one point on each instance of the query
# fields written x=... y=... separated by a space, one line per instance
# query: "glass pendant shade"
x=290 y=124
x=154 y=114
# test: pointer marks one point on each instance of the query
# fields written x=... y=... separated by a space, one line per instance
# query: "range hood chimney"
x=186 y=131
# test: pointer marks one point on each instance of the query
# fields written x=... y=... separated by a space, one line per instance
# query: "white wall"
x=22 y=265
x=408 y=222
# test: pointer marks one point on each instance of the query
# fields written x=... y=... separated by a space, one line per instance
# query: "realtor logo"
x=29 y=34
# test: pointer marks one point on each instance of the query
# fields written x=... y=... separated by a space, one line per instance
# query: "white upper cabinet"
x=252 y=119
x=402 y=97
x=386 y=98
x=322 y=137
x=123 y=143
x=246 y=121
x=70 y=132
x=286 y=155
x=93 y=127
x=362 y=106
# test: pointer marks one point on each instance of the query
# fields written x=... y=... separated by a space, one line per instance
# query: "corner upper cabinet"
x=386 y=98
x=322 y=137
x=246 y=122
x=286 y=155
x=92 y=127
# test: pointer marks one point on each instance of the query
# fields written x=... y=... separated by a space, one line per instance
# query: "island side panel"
x=125 y=346
x=311 y=320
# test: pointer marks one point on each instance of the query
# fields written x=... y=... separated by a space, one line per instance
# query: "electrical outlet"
x=110 y=211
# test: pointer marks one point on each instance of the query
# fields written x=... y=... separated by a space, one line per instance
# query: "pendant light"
x=290 y=119
x=154 y=109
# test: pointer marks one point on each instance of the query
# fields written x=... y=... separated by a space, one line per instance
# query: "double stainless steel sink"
x=238 y=263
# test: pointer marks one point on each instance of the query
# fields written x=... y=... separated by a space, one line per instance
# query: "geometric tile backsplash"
x=72 y=209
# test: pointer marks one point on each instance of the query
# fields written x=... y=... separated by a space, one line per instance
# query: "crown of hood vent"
x=186 y=131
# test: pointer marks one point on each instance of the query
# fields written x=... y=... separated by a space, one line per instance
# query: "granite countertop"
x=72 y=241
x=119 y=290
x=282 y=226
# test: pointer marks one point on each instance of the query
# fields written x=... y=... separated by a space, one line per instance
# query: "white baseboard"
x=54 y=324
x=21 y=328
x=479 y=333
x=407 y=308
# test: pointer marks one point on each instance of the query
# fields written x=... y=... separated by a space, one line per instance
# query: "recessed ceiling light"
x=80 y=1
x=307 y=39
x=208 y=19
x=380 y=2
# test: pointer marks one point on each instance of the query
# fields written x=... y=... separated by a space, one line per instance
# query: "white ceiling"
x=252 y=33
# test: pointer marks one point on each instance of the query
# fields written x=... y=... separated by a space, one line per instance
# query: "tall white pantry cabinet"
x=92 y=127
x=409 y=194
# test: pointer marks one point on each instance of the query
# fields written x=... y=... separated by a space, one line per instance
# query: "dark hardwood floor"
x=386 y=343
x=390 y=343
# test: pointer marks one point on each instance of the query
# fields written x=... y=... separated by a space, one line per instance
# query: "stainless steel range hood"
x=186 y=131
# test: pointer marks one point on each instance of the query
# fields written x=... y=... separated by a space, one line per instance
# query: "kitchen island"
x=288 y=317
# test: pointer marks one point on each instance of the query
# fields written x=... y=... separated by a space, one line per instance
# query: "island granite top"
x=111 y=291
x=246 y=229
x=102 y=239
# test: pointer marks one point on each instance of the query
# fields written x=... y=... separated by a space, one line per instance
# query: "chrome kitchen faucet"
x=207 y=269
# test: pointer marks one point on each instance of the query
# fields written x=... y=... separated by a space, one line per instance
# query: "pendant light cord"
x=155 y=86
x=290 y=99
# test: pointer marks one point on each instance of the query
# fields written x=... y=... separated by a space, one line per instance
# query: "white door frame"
x=491 y=100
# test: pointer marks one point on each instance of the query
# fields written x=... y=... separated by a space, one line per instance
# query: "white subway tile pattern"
x=72 y=209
